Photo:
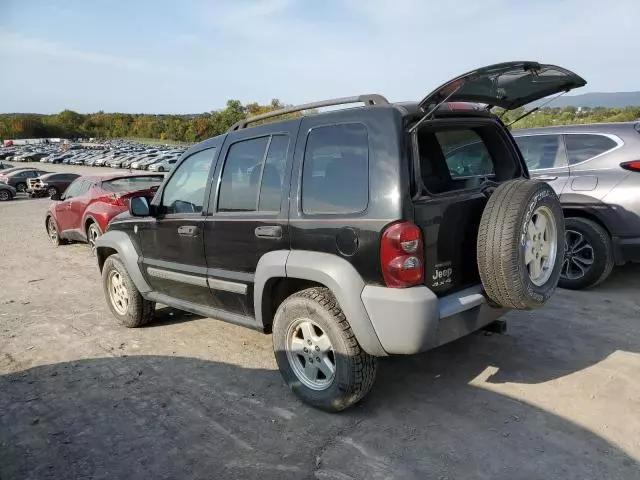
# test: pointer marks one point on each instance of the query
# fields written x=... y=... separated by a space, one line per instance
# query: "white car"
x=163 y=166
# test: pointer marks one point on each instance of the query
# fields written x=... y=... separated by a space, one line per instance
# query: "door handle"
x=546 y=178
x=188 y=231
x=269 y=231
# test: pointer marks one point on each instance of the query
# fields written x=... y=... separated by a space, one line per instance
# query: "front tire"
x=5 y=195
x=123 y=298
x=588 y=257
x=317 y=352
x=52 y=232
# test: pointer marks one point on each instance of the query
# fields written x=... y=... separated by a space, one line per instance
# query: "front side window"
x=73 y=190
x=85 y=186
x=335 y=173
x=583 y=146
x=542 y=151
x=184 y=192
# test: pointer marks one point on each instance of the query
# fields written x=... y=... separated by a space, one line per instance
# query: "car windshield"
x=132 y=183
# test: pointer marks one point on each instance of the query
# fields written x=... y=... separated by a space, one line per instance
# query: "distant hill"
x=597 y=99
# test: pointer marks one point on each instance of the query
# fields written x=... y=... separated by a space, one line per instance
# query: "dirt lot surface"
x=558 y=397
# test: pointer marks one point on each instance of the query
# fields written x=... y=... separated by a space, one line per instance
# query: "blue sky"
x=191 y=56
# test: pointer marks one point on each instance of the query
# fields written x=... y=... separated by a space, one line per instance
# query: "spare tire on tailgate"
x=521 y=244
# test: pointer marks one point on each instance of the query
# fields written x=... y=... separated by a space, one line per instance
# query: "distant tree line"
x=185 y=128
x=570 y=115
x=193 y=128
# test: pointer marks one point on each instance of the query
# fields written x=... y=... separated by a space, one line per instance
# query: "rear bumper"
x=626 y=250
x=414 y=320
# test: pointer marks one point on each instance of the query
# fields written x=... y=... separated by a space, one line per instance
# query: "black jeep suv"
x=350 y=234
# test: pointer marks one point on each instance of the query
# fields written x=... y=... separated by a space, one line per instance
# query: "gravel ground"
x=194 y=398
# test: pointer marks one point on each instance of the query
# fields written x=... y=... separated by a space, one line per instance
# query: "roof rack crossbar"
x=369 y=99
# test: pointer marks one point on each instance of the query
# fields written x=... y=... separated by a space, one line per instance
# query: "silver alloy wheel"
x=118 y=294
x=4 y=195
x=21 y=187
x=51 y=191
x=92 y=235
x=541 y=242
x=579 y=255
x=52 y=231
x=310 y=354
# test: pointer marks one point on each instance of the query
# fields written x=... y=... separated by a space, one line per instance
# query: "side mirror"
x=139 y=207
x=56 y=197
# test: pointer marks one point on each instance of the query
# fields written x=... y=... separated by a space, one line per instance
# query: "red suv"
x=87 y=206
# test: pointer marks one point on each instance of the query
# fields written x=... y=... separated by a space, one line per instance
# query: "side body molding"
x=121 y=243
x=335 y=273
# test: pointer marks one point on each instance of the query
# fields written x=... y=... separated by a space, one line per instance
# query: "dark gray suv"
x=352 y=234
x=595 y=169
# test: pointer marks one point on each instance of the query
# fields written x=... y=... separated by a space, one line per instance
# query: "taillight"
x=633 y=166
x=120 y=200
x=402 y=255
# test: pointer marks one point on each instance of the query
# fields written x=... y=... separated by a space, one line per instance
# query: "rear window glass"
x=465 y=153
x=582 y=146
x=455 y=158
x=335 y=175
x=131 y=183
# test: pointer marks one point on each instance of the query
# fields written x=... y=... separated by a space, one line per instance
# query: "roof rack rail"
x=369 y=99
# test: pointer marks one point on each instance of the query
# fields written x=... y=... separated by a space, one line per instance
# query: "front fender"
x=119 y=242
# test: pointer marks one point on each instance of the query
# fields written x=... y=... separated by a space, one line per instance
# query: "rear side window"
x=542 y=151
x=253 y=174
x=583 y=146
x=465 y=153
x=241 y=174
x=335 y=174
x=132 y=183
x=273 y=173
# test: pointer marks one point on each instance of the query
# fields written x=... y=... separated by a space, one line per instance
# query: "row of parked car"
x=117 y=154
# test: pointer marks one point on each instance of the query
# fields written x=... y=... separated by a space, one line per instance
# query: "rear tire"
x=52 y=191
x=93 y=232
x=21 y=187
x=520 y=244
x=309 y=326
x=123 y=298
x=588 y=258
